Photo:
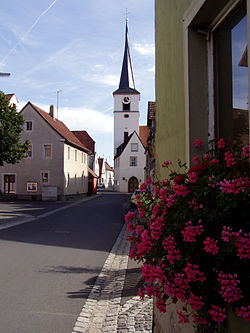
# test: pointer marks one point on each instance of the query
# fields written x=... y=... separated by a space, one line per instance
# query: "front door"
x=9 y=184
x=132 y=184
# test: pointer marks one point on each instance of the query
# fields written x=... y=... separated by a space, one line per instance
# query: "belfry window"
x=126 y=107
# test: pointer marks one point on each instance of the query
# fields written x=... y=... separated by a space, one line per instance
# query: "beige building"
x=57 y=162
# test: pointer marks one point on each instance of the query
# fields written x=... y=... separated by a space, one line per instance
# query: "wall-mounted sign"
x=31 y=187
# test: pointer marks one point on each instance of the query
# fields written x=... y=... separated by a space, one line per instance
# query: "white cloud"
x=144 y=49
x=106 y=79
x=81 y=118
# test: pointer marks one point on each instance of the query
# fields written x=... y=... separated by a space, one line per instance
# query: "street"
x=49 y=265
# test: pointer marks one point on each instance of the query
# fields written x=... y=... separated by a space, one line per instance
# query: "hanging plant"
x=191 y=235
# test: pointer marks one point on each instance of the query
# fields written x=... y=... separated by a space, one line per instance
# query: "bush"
x=192 y=237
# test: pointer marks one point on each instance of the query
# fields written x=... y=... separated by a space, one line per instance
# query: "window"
x=68 y=179
x=83 y=178
x=134 y=146
x=75 y=155
x=126 y=107
x=125 y=136
x=84 y=158
x=216 y=60
x=126 y=116
x=9 y=184
x=231 y=77
x=28 y=125
x=133 y=161
x=44 y=177
x=47 y=150
x=68 y=153
x=75 y=177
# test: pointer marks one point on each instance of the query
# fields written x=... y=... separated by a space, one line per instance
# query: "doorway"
x=9 y=184
x=132 y=184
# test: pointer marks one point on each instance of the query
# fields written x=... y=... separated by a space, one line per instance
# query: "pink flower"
x=130 y=216
x=180 y=190
x=193 y=177
x=244 y=312
x=169 y=245
x=206 y=157
x=182 y=317
x=193 y=274
x=198 y=143
x=196 y=159
x=166 y=163
x=143 y=187
x=210 y=245
x=130 y=227
x=160 y=304
x=234 y=186
x=190 y=231
x=226 y=234
x=229 y=158
x=246 y=150
x=221 y=143
x=157 y=227
x=217 y=313
x=228 y=287
x=199 y=320
x=195 y=302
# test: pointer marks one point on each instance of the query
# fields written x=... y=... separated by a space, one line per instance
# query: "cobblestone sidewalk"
x=103 y=311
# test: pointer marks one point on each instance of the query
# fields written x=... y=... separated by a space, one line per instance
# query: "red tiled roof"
x=60 y=128
x=143 y=134
x=108 y=167
x=92 y=173
x=85 y=139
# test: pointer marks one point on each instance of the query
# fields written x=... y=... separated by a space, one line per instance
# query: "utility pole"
x=57 y=99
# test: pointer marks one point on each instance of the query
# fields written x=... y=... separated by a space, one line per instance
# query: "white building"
x=129 y=150
x=56 y=164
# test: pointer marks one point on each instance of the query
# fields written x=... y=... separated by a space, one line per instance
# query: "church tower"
x=126 y=101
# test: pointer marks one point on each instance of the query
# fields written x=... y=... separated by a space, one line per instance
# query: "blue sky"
x=76 y=46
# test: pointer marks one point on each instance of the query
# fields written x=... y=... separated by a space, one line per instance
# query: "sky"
x=72 y=50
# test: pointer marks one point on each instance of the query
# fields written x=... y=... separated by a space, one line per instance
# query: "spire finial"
x=126 y=14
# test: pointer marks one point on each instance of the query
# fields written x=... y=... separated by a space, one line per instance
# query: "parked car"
x=100 y=185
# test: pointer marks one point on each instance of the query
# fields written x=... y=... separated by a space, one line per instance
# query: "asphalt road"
x=48 y=266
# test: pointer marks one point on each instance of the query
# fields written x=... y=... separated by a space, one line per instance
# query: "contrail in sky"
x=28 y=31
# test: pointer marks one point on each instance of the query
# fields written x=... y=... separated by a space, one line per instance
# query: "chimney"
x=51 y=111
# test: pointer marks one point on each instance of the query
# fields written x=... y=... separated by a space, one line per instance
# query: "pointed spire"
x=127 y=83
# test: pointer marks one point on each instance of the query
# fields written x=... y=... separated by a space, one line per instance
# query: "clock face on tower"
x=126 y=100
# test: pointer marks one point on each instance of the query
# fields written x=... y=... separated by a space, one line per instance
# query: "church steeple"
x=127 y=83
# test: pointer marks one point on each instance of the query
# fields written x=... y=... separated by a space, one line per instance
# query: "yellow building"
x=201 y=75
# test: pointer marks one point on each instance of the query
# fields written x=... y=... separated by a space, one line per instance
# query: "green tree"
x=11 y=149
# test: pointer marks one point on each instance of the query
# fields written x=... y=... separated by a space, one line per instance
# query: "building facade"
x=56 y=164
x=202 y=90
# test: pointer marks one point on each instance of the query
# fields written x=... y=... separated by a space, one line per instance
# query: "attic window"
x=126 y=116
x=28 y=125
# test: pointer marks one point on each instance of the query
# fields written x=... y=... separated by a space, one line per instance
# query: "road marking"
x=33 y=218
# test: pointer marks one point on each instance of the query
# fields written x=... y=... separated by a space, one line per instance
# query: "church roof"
x=127 y=83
